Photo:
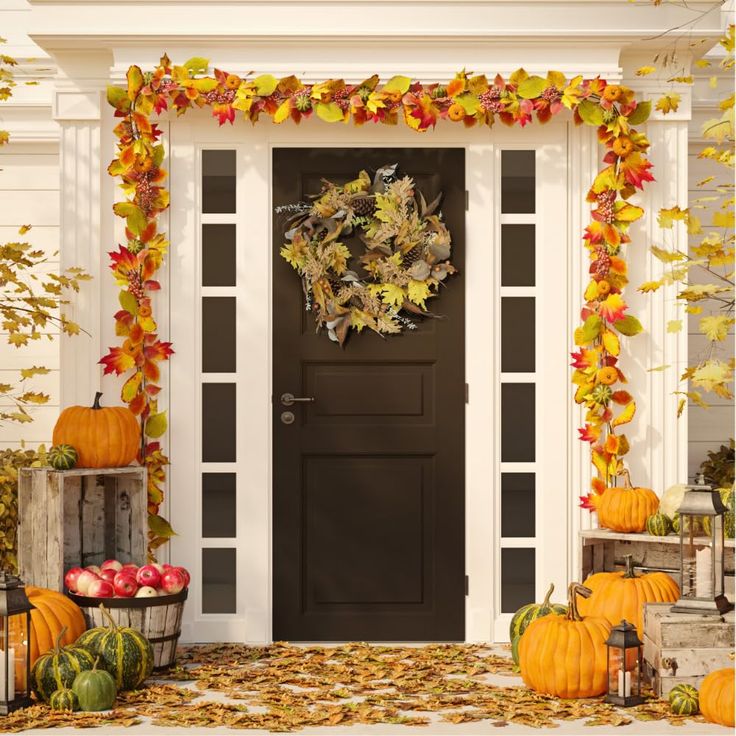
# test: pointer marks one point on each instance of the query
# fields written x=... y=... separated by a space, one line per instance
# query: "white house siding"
x=29 y=195
x=708 y=429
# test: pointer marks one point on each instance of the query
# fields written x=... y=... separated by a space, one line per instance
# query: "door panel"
x=368 y=482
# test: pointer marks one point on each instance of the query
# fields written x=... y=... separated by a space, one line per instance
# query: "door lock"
x=289 y=399
x=287 y=417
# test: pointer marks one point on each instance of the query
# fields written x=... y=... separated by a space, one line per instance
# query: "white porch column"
x=78 y=112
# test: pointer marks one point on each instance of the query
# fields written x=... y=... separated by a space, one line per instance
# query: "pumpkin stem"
x=60 y=636
x=96 y=403
x=627 y=479
x=545 y=602
x=112 y=623
x=629 y=562
x=573 y=591
x=94 y=666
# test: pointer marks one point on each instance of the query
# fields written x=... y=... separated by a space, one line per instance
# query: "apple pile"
x=113 y=579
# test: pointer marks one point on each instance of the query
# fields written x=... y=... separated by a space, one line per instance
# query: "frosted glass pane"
x=518 y=181
x=218 y=422
x=517 y=422
x=517 y=578
x=218 y=255
x=218 y=504
x=218 y=580
x=218 y=334
x=517 y=255
x=517 y=334
x=218 y=181
x=517 y=504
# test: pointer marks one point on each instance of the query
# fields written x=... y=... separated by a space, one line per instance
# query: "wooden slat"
x=93 y=521
x=72 y=530
x=639 y=537
x=668 y=630
x=685 y=661
x=110 y=505
x=123 y=523
x=25 y=526
x=54 y=562
x=137 y=490
x=38 y=569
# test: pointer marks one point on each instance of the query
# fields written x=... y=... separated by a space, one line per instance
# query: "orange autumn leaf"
x=612 y=308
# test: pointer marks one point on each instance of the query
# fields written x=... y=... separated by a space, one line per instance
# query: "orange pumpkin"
x=106 y=437
x=53 y=611
x=565 y=655
x=622 y=595
x=625 y=509
x=716 y=697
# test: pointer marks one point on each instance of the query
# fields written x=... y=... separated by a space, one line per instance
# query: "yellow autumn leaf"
x=668 y=216
x=626 y=415
x=694 y=225
x=283 y=112
x=674 y=325
x=710 y=374
x=644 y=71
x=611 y=342
x=418 y=292
x=23 y=229
x=668 y=103
x=724 y=219
x=648 y=286
x=702 y=63
x=667 y=256
x=715 y=327
x=591 y=292
x=392 y=294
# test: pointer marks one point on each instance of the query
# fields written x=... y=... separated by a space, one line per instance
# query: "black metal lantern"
x=623 y=661
x=702 y=552
x=15 y=644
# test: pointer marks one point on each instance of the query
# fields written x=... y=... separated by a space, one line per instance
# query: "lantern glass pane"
x=615 y=666
x=19 y=652
x=688 y=550
x=717 y=544
x=632 y=668
x=5 y=696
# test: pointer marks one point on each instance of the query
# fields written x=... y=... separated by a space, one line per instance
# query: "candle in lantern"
x=703 y=573
x=4 y=664
x=624 y=684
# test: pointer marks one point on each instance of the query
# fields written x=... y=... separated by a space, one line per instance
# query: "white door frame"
x=252 y=623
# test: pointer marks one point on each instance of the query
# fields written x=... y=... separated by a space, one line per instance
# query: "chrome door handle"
x=288 y=399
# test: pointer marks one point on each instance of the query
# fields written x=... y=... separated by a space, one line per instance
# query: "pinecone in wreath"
x=411 y=257
x=364 y=206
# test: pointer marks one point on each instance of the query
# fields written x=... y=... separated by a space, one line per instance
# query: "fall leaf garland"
x=406 y=258
x=468 y=99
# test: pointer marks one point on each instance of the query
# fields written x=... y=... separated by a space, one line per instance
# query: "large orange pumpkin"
x=564 y=655
x=106 y=437
x=53 y=611
x=625 y=508
x=621 y=595
x=716 y=697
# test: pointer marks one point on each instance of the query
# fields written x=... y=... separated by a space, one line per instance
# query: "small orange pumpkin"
x=53 y=611
x=625 y=509
x=622 y=594
x=716 y=697
x=456 y=111
x=106 y=437
x=564 y=655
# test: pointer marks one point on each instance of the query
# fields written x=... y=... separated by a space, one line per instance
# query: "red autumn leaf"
x=158 y=350
x=621 y=397
x=151 y=371
x=138 y=403
x=117 y=361
x=636 y=170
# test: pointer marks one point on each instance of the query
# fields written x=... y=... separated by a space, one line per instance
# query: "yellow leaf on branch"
x=626 y=415
x=715 y=327
x=668 y=103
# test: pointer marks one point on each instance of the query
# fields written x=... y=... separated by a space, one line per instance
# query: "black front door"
x=368 y=481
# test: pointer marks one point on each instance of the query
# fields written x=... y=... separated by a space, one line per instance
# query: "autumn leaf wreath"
x=406 y=257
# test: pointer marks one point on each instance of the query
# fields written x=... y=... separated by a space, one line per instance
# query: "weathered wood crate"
x=80 y=517
x=604 y=550
x=682 y=648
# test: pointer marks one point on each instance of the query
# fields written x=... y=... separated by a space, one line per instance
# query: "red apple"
x=94 y=568
x=186 y=575
x=100 y=589
x=130 y=566
x=108 y=574
x=161 y=568
x=149 y=576
x=125 y=585
x=71 y=577
x=172 y=581
x=112 y=565
x=146 y=592
x=85 y=579
x=165 y=566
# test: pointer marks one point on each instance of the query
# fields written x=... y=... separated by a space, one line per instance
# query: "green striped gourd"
x=95 y=689
x=62 y=457
x=57 y=668
x=659 y=525
x=515 y=652
x=528 y=613
x=64 y=699
x=702 y=525
x=684 y=700
x=124 y=652
x=728 y=520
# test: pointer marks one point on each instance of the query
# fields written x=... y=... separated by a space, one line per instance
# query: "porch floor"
x=351 y=689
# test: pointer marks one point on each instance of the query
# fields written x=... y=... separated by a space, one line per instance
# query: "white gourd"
x=671 y=499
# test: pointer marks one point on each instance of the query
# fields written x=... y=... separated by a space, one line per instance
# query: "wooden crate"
x=604 y=550
x=682 y=648
x=79 y=517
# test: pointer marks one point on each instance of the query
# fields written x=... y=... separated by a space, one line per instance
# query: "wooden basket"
x=158 y=619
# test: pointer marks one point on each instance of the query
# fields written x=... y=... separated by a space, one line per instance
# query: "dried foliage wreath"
x=406 y=258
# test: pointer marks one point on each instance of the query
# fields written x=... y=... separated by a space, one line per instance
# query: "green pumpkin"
x=684 y=700
x=124 y=652
x=57 y=669
x=526 y=614
x=62 y=457
x=95 y=689
x=515 y=650
x=728 y=520
x=64 y=699
x=659 y=525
